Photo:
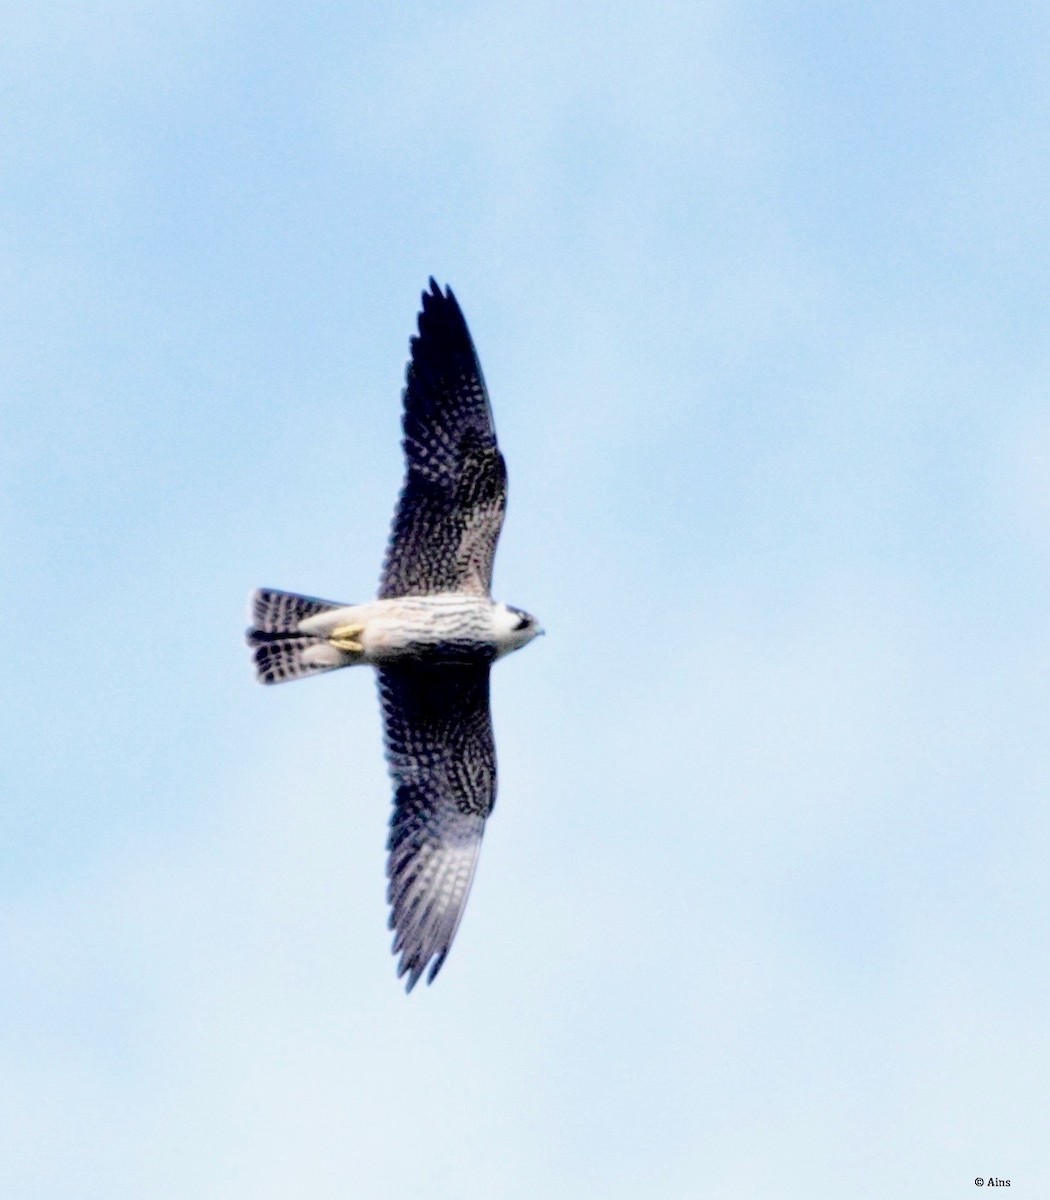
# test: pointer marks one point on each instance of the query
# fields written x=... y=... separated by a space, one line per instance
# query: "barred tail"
x=281 y=652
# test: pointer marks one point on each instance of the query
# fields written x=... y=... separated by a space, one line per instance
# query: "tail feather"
x=281 y=612
x=279 y=650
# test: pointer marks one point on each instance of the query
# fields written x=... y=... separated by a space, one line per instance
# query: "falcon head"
x=513 y=628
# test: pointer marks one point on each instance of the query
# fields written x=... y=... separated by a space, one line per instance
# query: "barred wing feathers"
x=450 y=511
x=442 y=760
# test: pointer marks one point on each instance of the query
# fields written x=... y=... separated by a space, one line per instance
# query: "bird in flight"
x=433 y=634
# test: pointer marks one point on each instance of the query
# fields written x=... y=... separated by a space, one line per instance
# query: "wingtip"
x=435 y=292
x=440 y=316
x=432 y=974
x=414 y=974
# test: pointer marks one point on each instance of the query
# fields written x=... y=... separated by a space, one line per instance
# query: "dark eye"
x=523 y=623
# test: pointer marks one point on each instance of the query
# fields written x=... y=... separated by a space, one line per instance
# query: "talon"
x=345 y=638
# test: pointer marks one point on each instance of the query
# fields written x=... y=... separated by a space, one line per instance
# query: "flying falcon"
x=433 y=634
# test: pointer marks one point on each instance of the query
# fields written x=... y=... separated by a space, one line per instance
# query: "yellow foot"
x=345 y=638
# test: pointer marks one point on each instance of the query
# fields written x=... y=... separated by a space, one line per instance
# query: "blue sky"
x=761 y=291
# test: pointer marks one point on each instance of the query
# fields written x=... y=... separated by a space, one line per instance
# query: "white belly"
x=410 y=627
